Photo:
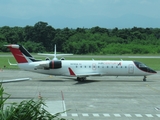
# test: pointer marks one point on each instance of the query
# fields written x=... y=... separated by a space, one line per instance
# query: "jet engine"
x=55 y=64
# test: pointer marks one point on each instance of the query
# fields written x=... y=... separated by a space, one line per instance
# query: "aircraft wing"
x=88 y=74
x=41 y=66
x=15 y=80
x=83 y=75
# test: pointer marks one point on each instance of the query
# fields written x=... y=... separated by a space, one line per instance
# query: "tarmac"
x=97 y=98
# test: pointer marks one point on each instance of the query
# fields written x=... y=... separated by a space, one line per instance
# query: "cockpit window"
x=142 y=65
x=139 y=64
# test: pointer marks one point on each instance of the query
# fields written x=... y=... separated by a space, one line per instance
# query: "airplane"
x=78 y=68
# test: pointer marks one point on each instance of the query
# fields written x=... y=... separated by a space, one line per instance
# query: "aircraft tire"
x=144 y=79
x=81 y=79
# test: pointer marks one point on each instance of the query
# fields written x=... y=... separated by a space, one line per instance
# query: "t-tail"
x=21 y=54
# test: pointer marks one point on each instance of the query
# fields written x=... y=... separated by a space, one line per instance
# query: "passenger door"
x=130 y=69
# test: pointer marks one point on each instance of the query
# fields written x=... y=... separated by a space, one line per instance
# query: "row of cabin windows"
x=103 y=67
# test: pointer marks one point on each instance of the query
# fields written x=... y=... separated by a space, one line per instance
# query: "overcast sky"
x=81 y=13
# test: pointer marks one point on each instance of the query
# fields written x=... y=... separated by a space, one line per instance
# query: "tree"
x=44 y=34
x=43 y=37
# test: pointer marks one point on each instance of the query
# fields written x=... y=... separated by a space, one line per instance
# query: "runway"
x=97 y=98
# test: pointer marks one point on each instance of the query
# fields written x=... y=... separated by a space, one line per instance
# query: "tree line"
x=96 y=40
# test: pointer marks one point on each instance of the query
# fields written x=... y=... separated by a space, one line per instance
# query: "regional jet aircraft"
x=78 y=68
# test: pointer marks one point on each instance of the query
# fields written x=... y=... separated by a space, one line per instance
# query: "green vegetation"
x=25 y=110
x=4 y=62
x=90 y=41
x=41 y=38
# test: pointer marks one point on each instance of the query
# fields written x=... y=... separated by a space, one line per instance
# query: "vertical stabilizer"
x=55 y=54
x=20 y=53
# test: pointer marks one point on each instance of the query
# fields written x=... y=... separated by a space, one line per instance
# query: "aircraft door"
x=131 y=69
x=94 y=66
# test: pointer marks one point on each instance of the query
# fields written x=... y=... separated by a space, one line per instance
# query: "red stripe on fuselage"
x=71 y=72
x=18 y=55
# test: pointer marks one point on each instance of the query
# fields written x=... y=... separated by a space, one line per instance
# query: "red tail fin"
x=17 y=53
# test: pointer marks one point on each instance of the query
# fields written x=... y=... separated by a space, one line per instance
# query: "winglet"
x=71 y=72
x=11 y=63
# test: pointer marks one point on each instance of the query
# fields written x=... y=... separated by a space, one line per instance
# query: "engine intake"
x=55 y=64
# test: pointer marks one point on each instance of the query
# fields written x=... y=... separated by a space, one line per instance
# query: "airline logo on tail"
x=21 y=54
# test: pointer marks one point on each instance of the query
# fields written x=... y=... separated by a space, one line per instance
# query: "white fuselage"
x=89 y=67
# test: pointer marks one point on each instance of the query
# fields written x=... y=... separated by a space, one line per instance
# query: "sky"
x=81 y=13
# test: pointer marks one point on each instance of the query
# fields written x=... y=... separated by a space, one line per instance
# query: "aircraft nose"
x=152 y=71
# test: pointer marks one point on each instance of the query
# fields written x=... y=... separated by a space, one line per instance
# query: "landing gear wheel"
x=144 y=79
x=78 y=78
x=81 y=78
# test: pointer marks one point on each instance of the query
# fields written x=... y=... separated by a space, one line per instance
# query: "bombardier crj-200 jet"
x=78 y=68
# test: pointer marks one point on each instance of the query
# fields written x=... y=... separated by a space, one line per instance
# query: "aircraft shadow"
x=92 y=81
x=49 y=80
x=84 y=82
x=124 y=81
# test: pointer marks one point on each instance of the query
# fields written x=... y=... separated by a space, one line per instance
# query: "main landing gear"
x=144 y=79
x=81 y=78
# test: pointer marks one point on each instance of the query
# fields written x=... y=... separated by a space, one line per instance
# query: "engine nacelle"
x=47 y=58
x=62 y=58
x=55 y=64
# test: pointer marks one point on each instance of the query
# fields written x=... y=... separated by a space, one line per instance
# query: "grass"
x=4 y=62
x=153 y=63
